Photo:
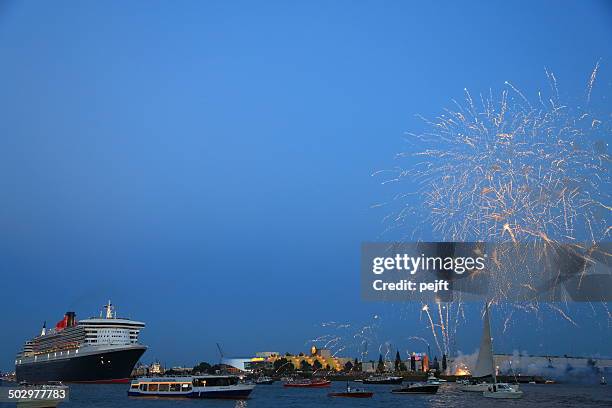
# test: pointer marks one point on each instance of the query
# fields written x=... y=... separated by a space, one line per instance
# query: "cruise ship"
x=95 y=350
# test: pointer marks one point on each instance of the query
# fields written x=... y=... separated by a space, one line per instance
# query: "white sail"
x=484 y=363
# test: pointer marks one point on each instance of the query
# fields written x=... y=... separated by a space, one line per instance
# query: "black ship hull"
x=417 y=389
x=109 y=366
x=389 y=381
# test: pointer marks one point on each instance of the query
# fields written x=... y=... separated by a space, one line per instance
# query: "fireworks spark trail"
x=420 y=339
x=592 y=81
x=432 y=326
x=384 y=349
x=501 y=168
x=506 y=171
x=496 y=167
x=562 y=313
x=348 y=338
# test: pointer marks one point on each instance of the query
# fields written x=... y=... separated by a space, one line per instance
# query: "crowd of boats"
x=105 y=349
x=227 y=386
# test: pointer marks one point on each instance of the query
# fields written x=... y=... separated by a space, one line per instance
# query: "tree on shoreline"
x=381 y=365
x=283 y=365
x=305 y=366
x=201 y=368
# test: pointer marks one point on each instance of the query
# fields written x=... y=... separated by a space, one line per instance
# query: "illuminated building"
x=323 y=356
x=265 y=360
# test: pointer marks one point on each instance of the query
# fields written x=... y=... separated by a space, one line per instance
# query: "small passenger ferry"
x=196 y=386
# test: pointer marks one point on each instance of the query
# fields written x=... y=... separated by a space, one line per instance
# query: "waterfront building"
x=324 y=357
x=155 y=369
x=142 y=370
x=368 y=366
x=181 y=370
x=551 y=366
x=266 y=359
x=372 y=366
x=267 y=354
x=247 y=364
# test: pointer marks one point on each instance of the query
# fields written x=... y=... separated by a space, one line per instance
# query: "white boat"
x=482 y=386
x=382 y=379
x=485 y=365
x=263 y=380
x=502 y=391
x=475 y=387
x=433 y=380
x=196 y=386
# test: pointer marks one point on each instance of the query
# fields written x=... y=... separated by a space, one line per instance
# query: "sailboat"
x=484 y=364
x=485 y=367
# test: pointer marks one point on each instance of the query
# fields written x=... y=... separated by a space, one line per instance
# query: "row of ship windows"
x=112 y=335
x=111 y=331
x=115 y=331
x=163 y=387
x=111 y=328
x=61 y=353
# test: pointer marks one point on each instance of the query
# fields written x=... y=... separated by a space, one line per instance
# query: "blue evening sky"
x=206 y=165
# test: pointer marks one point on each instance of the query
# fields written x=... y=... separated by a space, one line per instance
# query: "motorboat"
x=475 y=386
x=351 y=393
x=417 y=388
x=433 y=380
x=382 y=379
x=502 y=391
x=264 y=380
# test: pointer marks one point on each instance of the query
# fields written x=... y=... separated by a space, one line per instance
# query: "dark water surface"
x=272 y=396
